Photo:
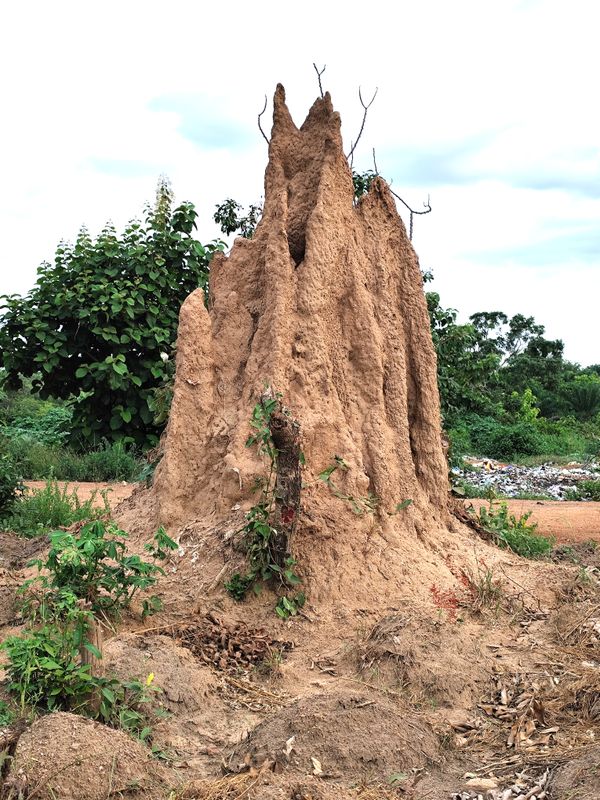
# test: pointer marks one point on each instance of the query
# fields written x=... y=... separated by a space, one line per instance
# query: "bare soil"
x=565 y=521
x=117 y=491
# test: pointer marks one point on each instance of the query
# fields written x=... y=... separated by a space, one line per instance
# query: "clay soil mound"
x=351 y=733
x=185 y=684
x=72 y=758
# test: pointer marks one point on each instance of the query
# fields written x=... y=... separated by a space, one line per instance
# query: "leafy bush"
x=585 y=490
x=38 y=461
x=85 y=572
x=52 y=427
x=11 y=486
x=44 y=666
x=46 y=671
x=95 y=324
x=41 y=510
x=94 y=566
x=516 y=534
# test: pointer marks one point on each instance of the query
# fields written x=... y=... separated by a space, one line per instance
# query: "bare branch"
x=366 y=107
x=426 y=206
x=265 y=137
x=319 y=73
x=375 y=163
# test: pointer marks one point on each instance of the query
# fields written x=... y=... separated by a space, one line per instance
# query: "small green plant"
x=128 y=704
x=44 y=666
x=93 y=564
x=585 y=490
x=515 y=533
x=41 y=510
x=7 y=714
x=258 y=533
x=359 y=505
x=11 y=486
x=289 y=606
x=49 y=666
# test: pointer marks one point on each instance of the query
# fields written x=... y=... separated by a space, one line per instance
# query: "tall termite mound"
x=325 y=305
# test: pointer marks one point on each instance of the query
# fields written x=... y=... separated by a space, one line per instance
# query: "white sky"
x=488 y=106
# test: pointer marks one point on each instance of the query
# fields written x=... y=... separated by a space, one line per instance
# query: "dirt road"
x=565 y=521
x=117 y=491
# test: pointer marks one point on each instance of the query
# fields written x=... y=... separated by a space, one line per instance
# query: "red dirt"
x=566 y=521
x=116 y=491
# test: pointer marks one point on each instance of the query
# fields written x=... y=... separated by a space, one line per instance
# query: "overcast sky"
x=490 y=107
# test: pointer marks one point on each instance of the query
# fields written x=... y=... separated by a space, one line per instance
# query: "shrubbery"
x=41 y=510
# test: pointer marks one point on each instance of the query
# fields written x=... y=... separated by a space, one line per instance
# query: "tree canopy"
x=99 y=326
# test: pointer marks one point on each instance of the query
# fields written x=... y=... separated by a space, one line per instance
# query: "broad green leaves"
x=94 y=326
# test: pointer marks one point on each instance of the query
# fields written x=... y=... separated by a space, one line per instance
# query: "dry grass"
x=233 y=787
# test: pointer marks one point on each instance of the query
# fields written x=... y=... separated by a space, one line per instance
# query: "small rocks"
x=511 y=481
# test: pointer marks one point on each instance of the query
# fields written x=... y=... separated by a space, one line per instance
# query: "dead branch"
x=265 y=137
x=427 y=209
x=366 y=107
x=319 y=73
x=375 y=163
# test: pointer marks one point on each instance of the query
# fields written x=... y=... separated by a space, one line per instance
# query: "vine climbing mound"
x=325 y=305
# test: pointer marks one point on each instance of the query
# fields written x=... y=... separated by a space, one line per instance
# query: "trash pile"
x=510 y=480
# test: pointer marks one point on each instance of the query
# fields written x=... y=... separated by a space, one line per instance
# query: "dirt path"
x=565 y=521
x=116 y=491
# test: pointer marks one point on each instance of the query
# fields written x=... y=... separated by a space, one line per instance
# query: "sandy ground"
x=564 y=521
x=116 y=491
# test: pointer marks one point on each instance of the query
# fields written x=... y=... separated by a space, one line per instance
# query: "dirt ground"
x=566 y=521
x=117 y=491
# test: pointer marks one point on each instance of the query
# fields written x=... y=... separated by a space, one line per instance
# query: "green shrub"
x=585 y=490
x=516 y=534
x=38 y=461
x=51 y=427
x=11 y=486
x=40 y=510
x=460 y=444
x=94 y=566
x=84 y=573
x=46 y=671
x=44 y=666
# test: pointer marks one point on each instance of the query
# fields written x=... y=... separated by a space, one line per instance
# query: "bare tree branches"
x=319 y=73
x=366 y=107
x=426 y=206
x=265 y=137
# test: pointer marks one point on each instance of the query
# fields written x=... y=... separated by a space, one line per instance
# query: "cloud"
x=124 y=168
x=202 y=123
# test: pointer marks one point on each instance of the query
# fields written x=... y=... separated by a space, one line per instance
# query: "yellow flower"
x=149 y=679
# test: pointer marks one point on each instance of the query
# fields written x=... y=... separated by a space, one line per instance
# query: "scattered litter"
x=511 y=480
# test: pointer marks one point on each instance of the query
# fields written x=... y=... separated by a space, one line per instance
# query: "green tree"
x=97 y=325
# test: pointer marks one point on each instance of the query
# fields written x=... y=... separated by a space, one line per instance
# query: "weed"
x=93 y=565
x=585 y=490
x=289 y=606
x=48 y=666
x=11 y=486
x=41 y=510
x=258 y=533
x=7 y=714
x=482 y=589
x=515 y=533
x=360 y=505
